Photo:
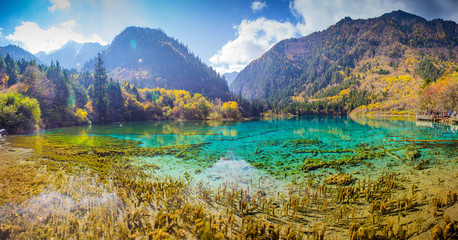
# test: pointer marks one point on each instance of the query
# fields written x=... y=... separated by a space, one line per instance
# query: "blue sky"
x=226 y=34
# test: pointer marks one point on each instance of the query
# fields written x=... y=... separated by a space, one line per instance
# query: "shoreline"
x=349 y=115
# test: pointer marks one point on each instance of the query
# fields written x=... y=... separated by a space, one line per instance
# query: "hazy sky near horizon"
x=226 y=34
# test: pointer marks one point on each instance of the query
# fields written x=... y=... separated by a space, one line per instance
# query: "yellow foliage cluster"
x=404 y=78
x=345 y=92
x=411 y=61
x=230 y=110
x=341 y=94
x=4 y=81
x=298 y=99
x=230 y=105
x=160 y=103
x=82 y=116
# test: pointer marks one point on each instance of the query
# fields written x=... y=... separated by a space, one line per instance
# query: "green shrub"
x=428 y=71
x=19 y=114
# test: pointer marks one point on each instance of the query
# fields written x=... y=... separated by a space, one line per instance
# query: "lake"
x=280 y=159
x=276 y=146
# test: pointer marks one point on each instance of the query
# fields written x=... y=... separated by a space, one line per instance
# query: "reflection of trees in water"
x=424 y=124
x=439 y=127
x=150 y=128
x=389 y=122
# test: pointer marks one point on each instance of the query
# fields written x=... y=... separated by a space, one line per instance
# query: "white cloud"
x=59 y=5
x=34 y=39
x=318 y=15
x=258 y=6
x=253 y=39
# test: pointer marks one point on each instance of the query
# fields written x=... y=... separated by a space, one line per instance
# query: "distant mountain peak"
x=150 y=58
x=72 y=54
x=70 y=45
x=400 y=15
x=133 y=31
x=230 y=76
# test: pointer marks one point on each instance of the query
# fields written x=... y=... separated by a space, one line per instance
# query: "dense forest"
x=36 y=96
x=437 y=95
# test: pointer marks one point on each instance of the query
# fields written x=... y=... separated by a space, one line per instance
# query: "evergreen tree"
x=100 y=85
x=62 y=85
x=2 y=64
x=86 y=79
x=11 y=70
x=80 y=94
x=90 y=91
x=135 y=93
x=22 y=65
x=116 y=102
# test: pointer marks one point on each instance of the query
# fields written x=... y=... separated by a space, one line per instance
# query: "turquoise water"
x=285 y=148
x=260 y=160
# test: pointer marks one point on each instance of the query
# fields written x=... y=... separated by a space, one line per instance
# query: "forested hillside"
x=17 y=53
x=37 y=96
x=382 y=64
x=149 y=58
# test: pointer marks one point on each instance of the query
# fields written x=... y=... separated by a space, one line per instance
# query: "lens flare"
x=133 y=44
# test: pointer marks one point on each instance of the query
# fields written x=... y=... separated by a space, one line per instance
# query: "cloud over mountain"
x=33 y=38
x=311 y=16
x=253 y=39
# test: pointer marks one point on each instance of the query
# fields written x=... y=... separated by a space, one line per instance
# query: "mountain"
x=149 y=58
x=72 y=54
x=230 y=77
x=17 y=53
x=389 y=57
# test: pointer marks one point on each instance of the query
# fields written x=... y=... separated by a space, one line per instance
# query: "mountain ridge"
x=150 y=58
x=17 y=53
x=304 y=66
x=72 y=54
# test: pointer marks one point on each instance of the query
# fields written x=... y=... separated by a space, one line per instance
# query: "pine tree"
x=100 y=85
x=11 y=70
x=116 y=102
x=2 y=64
x=62 y=85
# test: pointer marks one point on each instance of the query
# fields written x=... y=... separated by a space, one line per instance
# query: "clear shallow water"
x=277 y=148
x=253 y=158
